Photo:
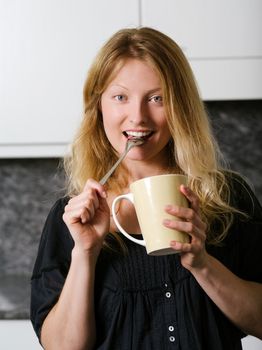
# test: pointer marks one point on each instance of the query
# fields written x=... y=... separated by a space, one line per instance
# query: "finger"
x=82 y=200
x=83 y=207
x=187 y=227
x=187 y=214
x=185 y=248
x=88 y=193
x=87 y=214
x=91 y=199
x=192 y=198
x=96 y=186
x=76 y=216
x=88 y=199
x=181 y=247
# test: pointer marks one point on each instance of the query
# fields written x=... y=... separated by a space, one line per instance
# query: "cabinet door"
x=221 y=38
x=46 y=48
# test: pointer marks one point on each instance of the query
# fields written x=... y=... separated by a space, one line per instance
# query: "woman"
x=91 y=288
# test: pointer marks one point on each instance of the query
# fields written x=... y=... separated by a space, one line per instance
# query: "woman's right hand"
x=87 y=217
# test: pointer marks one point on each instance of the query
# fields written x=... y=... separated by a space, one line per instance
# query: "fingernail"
x=185 y=188
x=104 y=194
x=171 y=207
x=166 y=221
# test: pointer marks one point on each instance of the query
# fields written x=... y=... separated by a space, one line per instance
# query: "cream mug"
x=149 y=196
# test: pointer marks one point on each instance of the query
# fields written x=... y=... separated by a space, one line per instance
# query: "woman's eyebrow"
x=154 y=90
x=151 y=91
x=118 y=86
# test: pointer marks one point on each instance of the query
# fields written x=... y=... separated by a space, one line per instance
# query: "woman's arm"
x=239 y=300
x=71 y=322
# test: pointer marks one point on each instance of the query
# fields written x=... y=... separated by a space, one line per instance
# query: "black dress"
x=146 y=302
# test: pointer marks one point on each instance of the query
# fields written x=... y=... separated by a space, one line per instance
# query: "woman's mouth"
x=143 y=135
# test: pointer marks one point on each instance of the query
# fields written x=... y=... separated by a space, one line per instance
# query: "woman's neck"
x=138 y=170
x=142 y=172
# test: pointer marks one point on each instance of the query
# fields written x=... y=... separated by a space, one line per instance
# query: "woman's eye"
x=119 y=98
x=156 y=99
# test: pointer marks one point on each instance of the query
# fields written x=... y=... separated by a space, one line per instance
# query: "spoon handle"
x=110 y=172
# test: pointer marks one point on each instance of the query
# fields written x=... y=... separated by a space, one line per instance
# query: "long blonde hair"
x=192 y=149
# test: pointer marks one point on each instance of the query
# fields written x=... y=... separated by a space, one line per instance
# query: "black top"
x=150 y=302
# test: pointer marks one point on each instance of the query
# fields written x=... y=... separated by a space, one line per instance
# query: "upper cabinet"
x=221 y=39
x=46 y=48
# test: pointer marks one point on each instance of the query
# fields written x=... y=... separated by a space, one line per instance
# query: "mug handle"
x=128 y=196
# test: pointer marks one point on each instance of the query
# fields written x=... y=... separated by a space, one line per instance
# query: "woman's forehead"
x=117 y=70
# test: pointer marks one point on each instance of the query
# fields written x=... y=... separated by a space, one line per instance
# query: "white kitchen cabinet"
x=221 y=38
x=46 y=48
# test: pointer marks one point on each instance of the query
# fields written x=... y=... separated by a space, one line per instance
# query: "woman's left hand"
x=193 y=254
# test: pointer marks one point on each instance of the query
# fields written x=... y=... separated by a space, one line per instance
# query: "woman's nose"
x=138 y=113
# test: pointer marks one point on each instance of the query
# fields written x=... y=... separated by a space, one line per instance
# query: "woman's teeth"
x=137 y=134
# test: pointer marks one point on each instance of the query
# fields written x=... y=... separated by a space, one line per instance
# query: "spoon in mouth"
x=132 y=142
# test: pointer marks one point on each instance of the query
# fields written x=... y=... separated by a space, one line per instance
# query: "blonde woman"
x=91 y=288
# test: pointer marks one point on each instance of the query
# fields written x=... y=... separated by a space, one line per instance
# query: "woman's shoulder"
x=242 y=193
x=56 y=242
x=55 y=224
x=235 y=179
x=58 y=205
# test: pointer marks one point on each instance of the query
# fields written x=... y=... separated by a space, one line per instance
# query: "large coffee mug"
x=149 y=196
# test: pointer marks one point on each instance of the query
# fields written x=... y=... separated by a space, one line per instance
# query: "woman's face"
x=132 y=105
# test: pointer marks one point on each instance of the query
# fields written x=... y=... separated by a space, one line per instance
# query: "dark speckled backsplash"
x=29 y=187
x=238 y=129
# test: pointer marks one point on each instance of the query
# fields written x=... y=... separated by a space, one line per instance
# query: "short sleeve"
x=248 y=237
x=51 y=265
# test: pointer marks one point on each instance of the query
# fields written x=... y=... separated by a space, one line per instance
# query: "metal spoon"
x=130 y=144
